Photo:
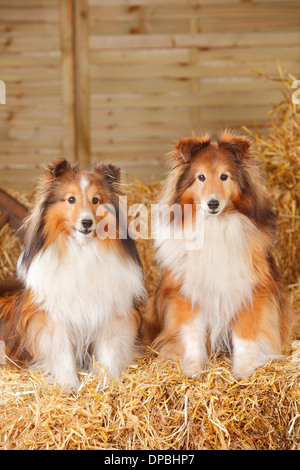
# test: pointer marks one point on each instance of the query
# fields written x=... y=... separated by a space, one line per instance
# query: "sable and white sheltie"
x=81 y=293
x=228 y=293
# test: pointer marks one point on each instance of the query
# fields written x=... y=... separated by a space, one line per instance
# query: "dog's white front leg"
x=115 y=345
x=55 y=355
x=193 y=335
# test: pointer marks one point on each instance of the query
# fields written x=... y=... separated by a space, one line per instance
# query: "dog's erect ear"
x=187 y=147
x=58 y=168
x=239 y=146
x=111 y=172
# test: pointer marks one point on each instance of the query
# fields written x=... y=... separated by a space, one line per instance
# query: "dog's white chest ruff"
x=84 y=288
x=216 y=277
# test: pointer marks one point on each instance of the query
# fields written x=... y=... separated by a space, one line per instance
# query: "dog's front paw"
x=192 y=368
x=69 y=385
x=243 y=370
x=248 y=356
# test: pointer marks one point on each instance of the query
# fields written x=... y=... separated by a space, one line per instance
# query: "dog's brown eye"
x=201 y=178
x=95 y=200
x=71 y=200
x=223 y=177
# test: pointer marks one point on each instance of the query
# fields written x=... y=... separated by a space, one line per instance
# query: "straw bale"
x=10 y=244
x=155 y=407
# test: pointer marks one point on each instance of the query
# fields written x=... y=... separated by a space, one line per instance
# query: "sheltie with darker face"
x=227 y=293
x=81 y=291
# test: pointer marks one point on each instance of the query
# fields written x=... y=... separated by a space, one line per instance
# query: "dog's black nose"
x=86 y=223
x=213 y=204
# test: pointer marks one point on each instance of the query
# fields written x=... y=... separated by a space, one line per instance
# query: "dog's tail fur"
x=15 y=313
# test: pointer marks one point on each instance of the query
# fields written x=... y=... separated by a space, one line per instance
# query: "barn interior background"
x=120 y=80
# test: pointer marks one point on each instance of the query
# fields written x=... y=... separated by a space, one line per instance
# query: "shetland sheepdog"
x=226 y=294
x=81 y=291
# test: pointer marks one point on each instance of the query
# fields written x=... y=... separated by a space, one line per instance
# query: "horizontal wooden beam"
x=200 y=40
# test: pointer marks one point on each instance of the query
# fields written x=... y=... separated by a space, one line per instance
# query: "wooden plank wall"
x=120 y=80
x=160 y=69
x=31 y=129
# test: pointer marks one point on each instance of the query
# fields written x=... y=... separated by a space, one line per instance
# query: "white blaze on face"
x=86 y=222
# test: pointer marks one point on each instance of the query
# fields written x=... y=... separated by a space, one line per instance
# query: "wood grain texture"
x=120 y=80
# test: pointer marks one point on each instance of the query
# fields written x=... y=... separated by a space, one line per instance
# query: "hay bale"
x=155 y=407
x=10 y=244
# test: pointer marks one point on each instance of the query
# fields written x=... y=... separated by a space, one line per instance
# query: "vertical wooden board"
x=82 y=82
x=68 y=80
x=194 y=53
